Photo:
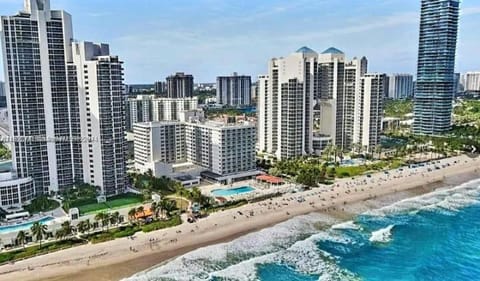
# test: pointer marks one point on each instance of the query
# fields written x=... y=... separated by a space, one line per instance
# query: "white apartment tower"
x=288 y=105
x=330 y=94
x=354 y=71
x=234 y=90
x=472 y=81
x=148 y=108
x=263 y=125
x=102 y=119
x=369 y=111
x=47 y=86
x=223 y=149
x=400 y=86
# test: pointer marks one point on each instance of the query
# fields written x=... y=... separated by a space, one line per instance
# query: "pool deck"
x=261 y=189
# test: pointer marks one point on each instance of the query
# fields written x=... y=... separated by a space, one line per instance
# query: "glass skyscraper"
x=436 y=63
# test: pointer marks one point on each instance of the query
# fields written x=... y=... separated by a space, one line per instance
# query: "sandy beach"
x=124 y=257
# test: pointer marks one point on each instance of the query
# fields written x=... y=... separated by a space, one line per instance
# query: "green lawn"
x=116 y=202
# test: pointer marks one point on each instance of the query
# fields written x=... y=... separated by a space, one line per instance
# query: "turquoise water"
x=431 y=237
x=6 y=166
x=23 y=226
x=233 y=191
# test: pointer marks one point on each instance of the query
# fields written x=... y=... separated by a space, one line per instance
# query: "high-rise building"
x=338 y=89
x=234 y=90
x=436 y=63
x=472 y=81
x=226 y=150
x=330 y=93
x=102 y=119
x=400 y=86
x=287 y=105
x=180 y=85
x=60 y=92
x=148 y=108
x=354 y=71
x=263 y=115
x=160 y=88
x=368 y=123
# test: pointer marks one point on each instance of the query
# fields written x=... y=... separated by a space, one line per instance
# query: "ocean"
x=435 y=236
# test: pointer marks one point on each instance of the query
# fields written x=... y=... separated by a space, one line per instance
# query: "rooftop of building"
x=305 y=50
x=333 y=50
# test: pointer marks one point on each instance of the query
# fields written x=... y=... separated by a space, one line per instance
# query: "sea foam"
x=383 y=235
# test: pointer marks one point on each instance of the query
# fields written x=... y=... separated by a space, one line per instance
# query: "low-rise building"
x=14 y=191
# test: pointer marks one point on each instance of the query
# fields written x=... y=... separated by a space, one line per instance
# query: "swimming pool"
x=232 y=191
x=22 y=226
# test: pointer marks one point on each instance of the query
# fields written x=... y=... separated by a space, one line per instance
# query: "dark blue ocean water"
x=432 y=237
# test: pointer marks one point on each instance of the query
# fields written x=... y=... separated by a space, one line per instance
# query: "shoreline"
x=114 y=260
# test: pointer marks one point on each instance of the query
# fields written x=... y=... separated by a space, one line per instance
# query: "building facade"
x=368 y=124
x=472 y=81
x=400 y=86
x=160 y=88
x=53 y=88
x=222 y=149
x=436 y=63
x=3 y=97
x=287 y=105
x=234 y=90
x=158 y=142
x=102 y=119
x=180 y=85
x=148 y=108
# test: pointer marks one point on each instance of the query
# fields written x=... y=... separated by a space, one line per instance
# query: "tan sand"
x=115 y=260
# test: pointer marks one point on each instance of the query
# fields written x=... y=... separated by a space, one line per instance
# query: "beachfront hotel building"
x=149 y=108
x=234 y=90
x=224 y=151
x=338 y=92
x=436 y=63
x=400 y=86
x=58 y=93
x=324 y=89
x=369 y=112
x=286 y=97
x=180 y=85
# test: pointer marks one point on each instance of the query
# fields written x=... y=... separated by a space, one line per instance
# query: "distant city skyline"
x=209 y=38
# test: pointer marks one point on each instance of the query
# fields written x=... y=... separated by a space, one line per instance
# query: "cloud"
x=470 y=11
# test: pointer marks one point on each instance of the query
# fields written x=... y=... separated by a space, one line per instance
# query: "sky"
x=208 y=38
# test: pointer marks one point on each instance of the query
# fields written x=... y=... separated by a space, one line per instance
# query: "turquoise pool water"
x=233 y=191
x=22 y=226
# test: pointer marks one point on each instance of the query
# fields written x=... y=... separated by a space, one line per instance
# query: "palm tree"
x=115 y=218
x=39 y=231
x=141 y=210
x=169 y=207
x=106 y=219
x=154 y=209
x=22 y=238
x=82 y=227
x=131 y=214
x=60 y=234
x=67 y=228
x=100 y=217
x=88 y=225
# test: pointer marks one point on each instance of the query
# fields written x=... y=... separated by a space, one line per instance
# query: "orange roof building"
x=270 y=179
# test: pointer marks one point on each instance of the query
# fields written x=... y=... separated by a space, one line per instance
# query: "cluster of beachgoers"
x=123 y=257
